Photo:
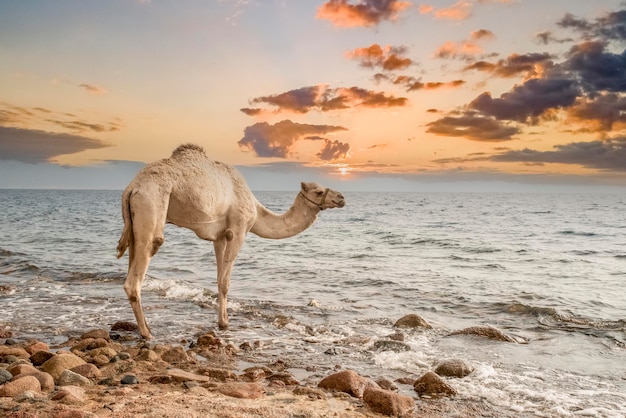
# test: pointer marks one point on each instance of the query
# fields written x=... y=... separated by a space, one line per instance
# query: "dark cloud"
x=324 y=99
x=548 y=37
x=611 y=26
x=251 y=112
x=277 y=140
x=600 y=113
x=482 y=34
x=474 y=127
x=388 y=59
x=528 y=101
x=513 y=65
x=364 y=13
x=597 y=68
x=33 y=146
x=333 y=150
x=80 y=126
x=609 y=155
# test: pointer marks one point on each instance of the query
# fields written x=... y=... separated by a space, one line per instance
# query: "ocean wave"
x=577 y=233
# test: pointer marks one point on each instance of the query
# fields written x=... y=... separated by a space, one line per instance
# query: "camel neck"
x=298 y=217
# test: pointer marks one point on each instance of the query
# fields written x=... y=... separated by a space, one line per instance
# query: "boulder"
x=35 y=346
x=70 y=395
x=45 y=380
x=5 y=376
x=412 y=321
x=70 y=378
x=13 y=351
x=430 y=384
x=286 y=378
x=486 y=331
x=179 y=375
x=347 y=381
x=148 y=355
x=96 y=333
x=175 y=355
x=57 y=364
x=386 y=384
x=221 y=375
x=387 y=402
x=243 y=390
x=124 y=326
x=18 y=386
x=40 y=357
x=19 y=368
x=453 y=368
x=87 y=370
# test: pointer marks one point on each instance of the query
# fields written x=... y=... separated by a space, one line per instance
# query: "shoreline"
x=115 y=373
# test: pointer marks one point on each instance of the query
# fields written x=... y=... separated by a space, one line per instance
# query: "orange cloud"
x=93 y=89
x=365 y=13
x=388 y=58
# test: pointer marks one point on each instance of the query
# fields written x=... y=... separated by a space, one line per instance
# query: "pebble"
x=5 y=376
x=129 y=379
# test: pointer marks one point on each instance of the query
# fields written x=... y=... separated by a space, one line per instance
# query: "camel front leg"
x=226 y=251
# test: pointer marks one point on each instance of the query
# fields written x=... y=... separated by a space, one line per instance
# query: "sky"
x=359 y=95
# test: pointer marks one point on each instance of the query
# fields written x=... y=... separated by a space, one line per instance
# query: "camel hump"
x=187 y=150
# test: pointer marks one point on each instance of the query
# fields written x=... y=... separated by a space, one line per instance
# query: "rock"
x=88 y=370
x=179 y=375
x=222 y=375
x=57 y=364
x=35 y=346
x=310 y=392
x=430 y=384
x=10 y=341
x=252 y=374
x=13 y=351
x=5 y=333
x=244 y=390
x=209 y=340
x=347 y=381
x=386 y=384
x=148 y=355
x=129 y=379
x=412 y=321
x=69 y=395
x=390 y=345
x=175 y=355
x=10 y=359
x=108 y=352
x=387 y=402
x=45 y=380
x=70 y=413
x=124 y=326
x=18 y=386
x=29 y=396
x=19 y=368
x=406 y=381
x=96 y=333
x=486 y=331
x=5 y=376
x=286 y=378
x=40 y=357
x=398 y=336
x=100 y=360
x=454 y=368
x=70 y=378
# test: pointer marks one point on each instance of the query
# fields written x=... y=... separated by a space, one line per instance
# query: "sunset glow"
x=496 y=90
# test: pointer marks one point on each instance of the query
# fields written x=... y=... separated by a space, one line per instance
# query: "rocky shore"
x=114 y=373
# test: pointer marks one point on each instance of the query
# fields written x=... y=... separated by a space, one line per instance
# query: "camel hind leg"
x=148 y=224
x=226 y=249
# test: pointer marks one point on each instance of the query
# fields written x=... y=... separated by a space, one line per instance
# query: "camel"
x=213 y=200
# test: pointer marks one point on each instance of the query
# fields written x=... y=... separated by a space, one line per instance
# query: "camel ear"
x=304 y=186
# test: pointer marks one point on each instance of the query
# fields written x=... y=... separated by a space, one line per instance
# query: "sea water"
x=547 y=269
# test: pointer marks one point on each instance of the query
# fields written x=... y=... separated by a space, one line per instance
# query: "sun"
x=344 y=171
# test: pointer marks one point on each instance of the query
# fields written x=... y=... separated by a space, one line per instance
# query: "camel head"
x=322 y=197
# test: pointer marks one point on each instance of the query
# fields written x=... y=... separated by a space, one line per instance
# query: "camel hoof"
x=223 y=327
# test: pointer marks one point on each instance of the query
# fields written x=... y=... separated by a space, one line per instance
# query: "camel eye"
x=319 y=192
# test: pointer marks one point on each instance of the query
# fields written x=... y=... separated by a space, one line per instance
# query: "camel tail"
x=127 y=233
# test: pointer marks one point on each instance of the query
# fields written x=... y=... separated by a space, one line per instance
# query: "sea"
x=548 y=270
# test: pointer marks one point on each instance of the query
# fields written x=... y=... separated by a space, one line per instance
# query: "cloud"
x=466 y=50
x=528 y=101
x=472 y=126
x=609 y=155
x=324 y=99
x=333 y=150
x=611 y=26
x=461 y=10
x=364 y=13
x=596 y=68
x=277 y=140
x=514 y=65
x=389 y=58
x=482 y=34
x=413 y=84
x=34 y=146
x=93 y=89
x=599 y=114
